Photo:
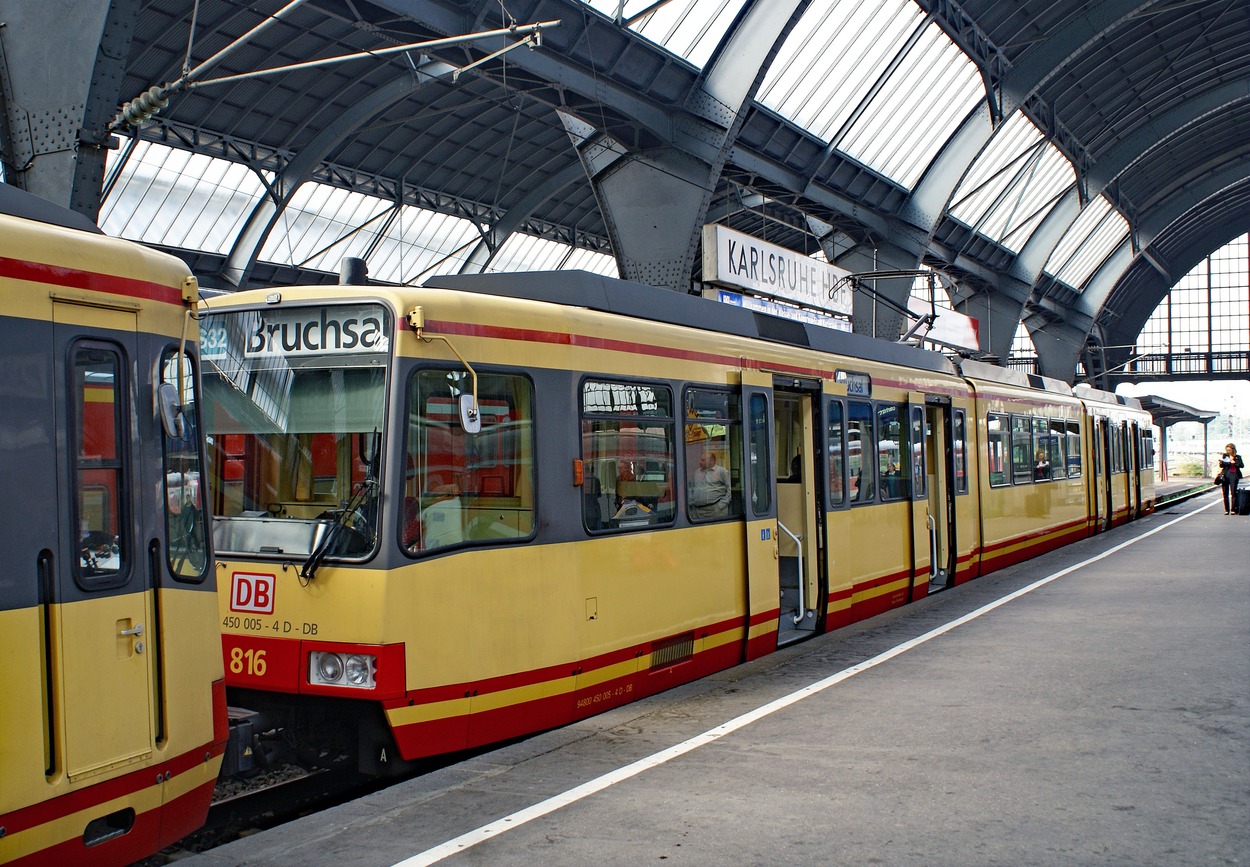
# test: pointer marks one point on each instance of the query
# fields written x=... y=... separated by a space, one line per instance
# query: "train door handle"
x=138 y=630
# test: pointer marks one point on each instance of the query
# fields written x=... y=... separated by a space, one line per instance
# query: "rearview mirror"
x=169 y=410
x=470 y=418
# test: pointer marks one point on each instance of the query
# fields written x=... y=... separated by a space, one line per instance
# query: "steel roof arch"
x=1128 y=90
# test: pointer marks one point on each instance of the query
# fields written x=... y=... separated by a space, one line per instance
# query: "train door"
x=800 y=520
x=933 y=493
x=102 y=632
x=1103 y=500
x=759 y=513
x=1133 y=462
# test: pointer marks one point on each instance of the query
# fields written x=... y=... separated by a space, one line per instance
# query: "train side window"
x=462 y=488
x=998 y=439
x=893 y=468
x=1041 y=451
x=628 y=455
x=1073 y=430
x=837 y=455
x=185 y=521
x=861 y=468
x=916 y=448
x=1021 y=450
x=98 y=391
x=961 y=452
x=1148 y=448
x=760 y=455
x=713 y=446
x=1055 y=441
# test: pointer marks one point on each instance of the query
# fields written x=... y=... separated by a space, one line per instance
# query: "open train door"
x=931 y=440
x=101 y=643
x=1133 y=460
x=800 y=505
x=759 y=514
x=1102 y=499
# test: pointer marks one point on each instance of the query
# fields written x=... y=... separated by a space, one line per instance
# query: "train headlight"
x=356 y=670
x=329 y=667
x=360 y=670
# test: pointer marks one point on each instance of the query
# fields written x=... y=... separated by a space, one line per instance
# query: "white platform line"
x=515 y=820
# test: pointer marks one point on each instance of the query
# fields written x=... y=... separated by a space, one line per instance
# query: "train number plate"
x=268 y=663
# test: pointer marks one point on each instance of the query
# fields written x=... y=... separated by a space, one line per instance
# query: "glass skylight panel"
x=177 y=198
x=322 y=225
x=1013 y=184
x=421 y=243
x=833 y=57
x=907 y=121
x=523 y=252
x=317 y=228
x=593 y=261
x=1087 y=243
x=688 y=28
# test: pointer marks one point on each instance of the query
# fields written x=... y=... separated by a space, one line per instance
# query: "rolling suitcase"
x=1243 y=501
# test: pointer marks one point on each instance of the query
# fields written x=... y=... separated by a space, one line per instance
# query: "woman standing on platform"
x=1231 y=466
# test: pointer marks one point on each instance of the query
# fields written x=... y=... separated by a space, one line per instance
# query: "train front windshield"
x=294 y=404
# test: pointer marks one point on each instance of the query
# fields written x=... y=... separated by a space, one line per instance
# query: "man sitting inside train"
x=1041 y=469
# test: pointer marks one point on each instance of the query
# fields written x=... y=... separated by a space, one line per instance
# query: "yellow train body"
x=113 y=719
x=860 y=481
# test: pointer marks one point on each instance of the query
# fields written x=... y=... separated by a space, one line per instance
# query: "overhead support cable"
x=141 y=108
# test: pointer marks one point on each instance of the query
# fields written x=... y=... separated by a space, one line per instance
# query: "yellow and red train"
x=112 y=715
x=455 y=514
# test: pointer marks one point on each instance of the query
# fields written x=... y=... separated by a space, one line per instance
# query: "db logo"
x=251 y=592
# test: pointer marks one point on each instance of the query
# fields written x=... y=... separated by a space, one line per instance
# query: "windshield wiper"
x=369 y=484
x=336 y=527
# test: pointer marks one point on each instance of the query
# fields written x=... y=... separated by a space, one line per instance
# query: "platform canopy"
x=1166 y=413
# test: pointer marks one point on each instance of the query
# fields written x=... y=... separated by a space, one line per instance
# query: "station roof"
x=1166 y=413
x=1075 y=158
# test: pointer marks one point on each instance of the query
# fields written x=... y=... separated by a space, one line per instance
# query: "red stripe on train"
x=94 y=281
x=120 y=787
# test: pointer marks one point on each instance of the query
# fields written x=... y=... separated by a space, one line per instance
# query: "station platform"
x=1091 y=706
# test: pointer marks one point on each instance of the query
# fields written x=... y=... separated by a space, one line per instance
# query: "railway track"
x=266 y=800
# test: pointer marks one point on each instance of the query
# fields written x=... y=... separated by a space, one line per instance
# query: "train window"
x=759 y=455
x=1041 y=451
x=713 y=445
x=627 y=454
x=1073 y=452
x=861 y=471
x=837 y=455
x=462 y=488
x=1117 y=448
x=1053 y=442
x=1021 y=450
x=101 y=500
x=1148 y=448
x=185 y=530
x=998 y=438
x=961 y=453
x=295 y=401
x=788 y=438
x=892 y=468
x=916 y=448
